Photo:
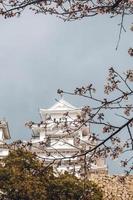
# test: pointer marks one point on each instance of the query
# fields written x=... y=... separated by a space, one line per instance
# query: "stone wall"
x=114 y=187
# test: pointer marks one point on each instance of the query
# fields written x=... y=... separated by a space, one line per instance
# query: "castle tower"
x=57 y=140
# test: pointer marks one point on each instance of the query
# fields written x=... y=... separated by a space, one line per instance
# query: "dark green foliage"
x=24 y=177
x=20 y=177
x=69 y=187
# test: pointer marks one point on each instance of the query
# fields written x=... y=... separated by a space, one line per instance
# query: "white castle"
x=57 y=146
x=4 y=136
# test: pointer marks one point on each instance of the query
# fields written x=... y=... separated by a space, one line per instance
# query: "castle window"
x=85 y=131
x=48 y=142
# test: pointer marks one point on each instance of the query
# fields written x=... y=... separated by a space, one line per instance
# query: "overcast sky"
x=40 y=54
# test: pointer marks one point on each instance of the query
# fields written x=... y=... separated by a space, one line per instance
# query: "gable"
x=62 y=105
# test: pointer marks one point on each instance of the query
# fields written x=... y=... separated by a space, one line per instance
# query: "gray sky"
x=40 y=54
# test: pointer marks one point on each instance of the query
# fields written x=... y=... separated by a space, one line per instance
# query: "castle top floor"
x=58 y=109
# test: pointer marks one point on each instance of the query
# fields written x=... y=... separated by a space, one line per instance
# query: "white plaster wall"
x=1 y=134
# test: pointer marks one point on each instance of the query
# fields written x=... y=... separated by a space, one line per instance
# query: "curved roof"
x=60 y=106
